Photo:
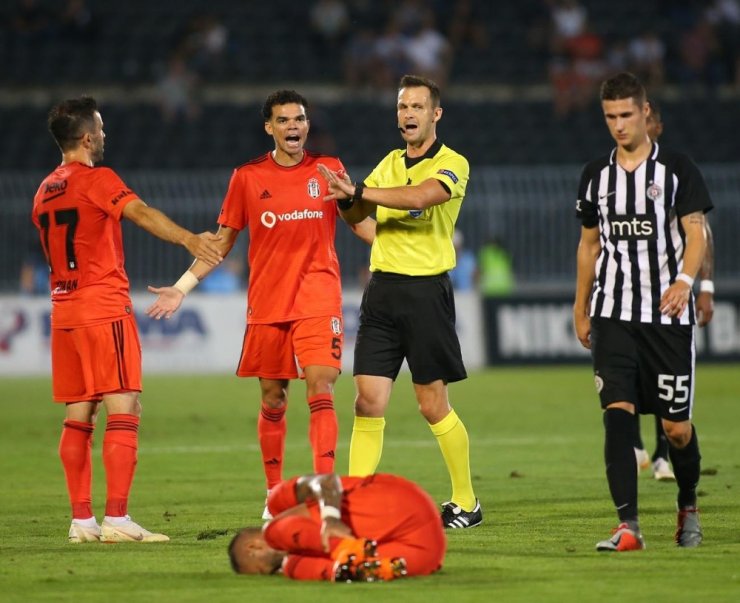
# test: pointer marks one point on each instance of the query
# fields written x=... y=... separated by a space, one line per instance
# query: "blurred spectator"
x=204 y=45
x=392 y=61
x=30 y=20
x=576 y=71
x=359 y=60
x=76 y=22
x=428 y=51
x=177 y=91
x=495 y=269
x=329 y=20
x=466 y=26
x=617 y=56
x=724 y=16
x=409 y=14
x=568 y=21
x=699 y=54
x=539 y=29
x=465 y=273
x=646 y=53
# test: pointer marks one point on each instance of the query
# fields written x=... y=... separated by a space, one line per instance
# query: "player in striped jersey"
x=642 y=243
x=704 y=312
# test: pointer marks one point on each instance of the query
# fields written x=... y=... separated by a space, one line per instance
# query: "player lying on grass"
x=344 y=529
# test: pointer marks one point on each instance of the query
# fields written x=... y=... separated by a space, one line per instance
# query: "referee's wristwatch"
x=345 y=204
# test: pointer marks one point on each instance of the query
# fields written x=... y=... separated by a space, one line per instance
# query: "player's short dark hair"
x=621 y=86
x=282 y=97
x=414 y=81
x=69 y=120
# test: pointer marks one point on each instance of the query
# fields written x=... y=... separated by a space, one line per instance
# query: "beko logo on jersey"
x=55 y=187
x=269 y=219
x=633 y=227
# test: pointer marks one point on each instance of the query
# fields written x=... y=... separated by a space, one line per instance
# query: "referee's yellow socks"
x=454 y=444
x=366 y=445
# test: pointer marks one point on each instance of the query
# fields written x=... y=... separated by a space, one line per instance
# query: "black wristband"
x=359 y=189
x=345 y=204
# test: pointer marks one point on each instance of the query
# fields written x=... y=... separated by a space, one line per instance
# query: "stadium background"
x=217 y=61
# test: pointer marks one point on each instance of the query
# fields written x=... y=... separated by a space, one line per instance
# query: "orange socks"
x=271 y=430
x=120 y=446
x=75 y=447
x=300 y=567
x=322 y=432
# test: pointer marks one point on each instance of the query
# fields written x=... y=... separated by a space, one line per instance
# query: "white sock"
x=86 y=523
x=116 y=521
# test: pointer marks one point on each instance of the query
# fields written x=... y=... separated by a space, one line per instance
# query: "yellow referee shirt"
x=418 y=242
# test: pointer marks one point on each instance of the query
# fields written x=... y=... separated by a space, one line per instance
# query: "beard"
x=97 y=154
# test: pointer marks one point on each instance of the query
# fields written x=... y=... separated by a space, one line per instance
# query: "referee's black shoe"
x=454 y=517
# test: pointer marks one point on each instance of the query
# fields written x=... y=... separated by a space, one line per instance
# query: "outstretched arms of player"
x=203 y=247
x=705 y=298
x=589 y=248
x=358 y=216
x=327 y=490
x=169 y=298
x=413 y=196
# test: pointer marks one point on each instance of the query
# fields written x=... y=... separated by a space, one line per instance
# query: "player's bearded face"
x=97 y=145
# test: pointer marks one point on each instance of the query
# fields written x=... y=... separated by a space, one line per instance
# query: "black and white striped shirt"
x=642 y=241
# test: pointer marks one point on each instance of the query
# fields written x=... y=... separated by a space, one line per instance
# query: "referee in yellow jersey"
x=408 y=307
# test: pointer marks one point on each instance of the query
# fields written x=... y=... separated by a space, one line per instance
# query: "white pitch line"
x=426 y=443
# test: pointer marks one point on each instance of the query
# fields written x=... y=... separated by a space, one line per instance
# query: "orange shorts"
x=88 y=362
x=272 y=350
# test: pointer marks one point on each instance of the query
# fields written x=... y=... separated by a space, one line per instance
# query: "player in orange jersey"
x=95 y=350
x=327 y=527
x=294 y=307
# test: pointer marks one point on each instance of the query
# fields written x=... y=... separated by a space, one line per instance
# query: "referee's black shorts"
x=651 y=366
x=410 y=317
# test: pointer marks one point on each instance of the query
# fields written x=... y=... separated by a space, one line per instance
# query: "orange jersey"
x=77 y=210
x=403 y=504
x=293 y=265
x=389 y=509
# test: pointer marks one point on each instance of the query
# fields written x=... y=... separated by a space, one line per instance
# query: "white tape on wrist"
x=328 y=511
x=706 y=287
x=682 y=276
x=187 y=282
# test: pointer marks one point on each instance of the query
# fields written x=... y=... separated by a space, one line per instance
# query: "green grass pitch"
x=536 y=449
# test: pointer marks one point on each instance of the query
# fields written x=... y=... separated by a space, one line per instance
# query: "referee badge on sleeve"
x=599 y=382
x=450 y=174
